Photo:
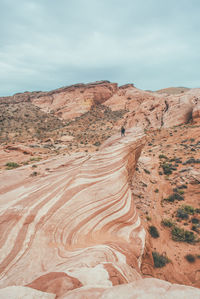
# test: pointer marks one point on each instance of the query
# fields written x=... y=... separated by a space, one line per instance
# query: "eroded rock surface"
x=80 y=219
x=68 y=224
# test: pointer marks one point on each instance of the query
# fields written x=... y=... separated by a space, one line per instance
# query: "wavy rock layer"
x=75 y=232
x=80 y=219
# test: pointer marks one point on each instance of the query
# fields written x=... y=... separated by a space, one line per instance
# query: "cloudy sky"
x=46 y=44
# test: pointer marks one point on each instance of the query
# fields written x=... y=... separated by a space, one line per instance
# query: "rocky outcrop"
x=150 y=288
x=75 y=100
x=153 y=110
x=80 y=220
x=71 y=227
x=196 y=113
x=20 y=148
x=57 y=283
x=66 y=102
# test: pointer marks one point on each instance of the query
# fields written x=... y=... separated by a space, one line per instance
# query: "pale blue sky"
x=46 y=44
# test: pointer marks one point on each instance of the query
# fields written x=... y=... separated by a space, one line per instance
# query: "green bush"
x=181 y=213
x=167 y=222
x=189 y=209
x=159 y=260
x=181 y=235
x=147 y=171
x=173 y=197
x=178 y=190
x=190 y=258
x=11 y=165
x=195 y=220
x=35 y=159
x=182 y=186
x=167 y=168
x=195 y=228
x=162 y=156
x=154 y=232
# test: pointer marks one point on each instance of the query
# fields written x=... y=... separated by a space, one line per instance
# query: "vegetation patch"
x=163 y=157
x=181 y=235
x=190 y=258
x=179 y=191
x=181 y=213
x=159 y=259
x=174 y=196
x=192 y=161
x=167 y=222
x=154 y=232
x=195 y=220
x=11 y=165
x=188 y=209
x=167 y=168
x=35 y=159
x=146 y=171
x=176 y=160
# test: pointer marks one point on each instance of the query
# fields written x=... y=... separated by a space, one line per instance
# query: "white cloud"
x=46 y=44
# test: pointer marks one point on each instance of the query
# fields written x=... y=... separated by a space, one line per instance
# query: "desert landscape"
x=88 y=213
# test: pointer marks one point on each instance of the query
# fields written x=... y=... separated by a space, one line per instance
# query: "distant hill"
x=173 y=90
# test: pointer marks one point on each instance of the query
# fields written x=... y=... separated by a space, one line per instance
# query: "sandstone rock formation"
x=75 y=100
x=196 y=113
x=79 y=219
x=152 y=110
x=76 y=225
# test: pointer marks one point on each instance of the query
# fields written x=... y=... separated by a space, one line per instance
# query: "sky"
x=47 y=44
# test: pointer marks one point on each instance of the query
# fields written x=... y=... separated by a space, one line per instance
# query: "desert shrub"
x=154 y=232
x=35 y=159
x=181 y=213
x=189 y=209
x=189 y=237
x=156 y=190
x=167 y=222
x=162 y=156
x=167 y=168
x=190 y=258
x=147 y=171
x=174 y=196
x=195 y=228
x=195 y=220
x=11 y=165
x=178 y=234
x=35 y=173
x=197 y=211
x=177 y=160
x=159 y=260
x=192 y=160
x=183 y=186
x=181 y=235
x=179 y=191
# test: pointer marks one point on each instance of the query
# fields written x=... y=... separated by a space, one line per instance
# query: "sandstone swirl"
x=75 y=232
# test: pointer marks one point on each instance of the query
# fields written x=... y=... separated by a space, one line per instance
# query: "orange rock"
x=196 y=113
x=57 y=283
